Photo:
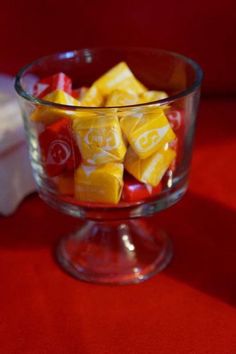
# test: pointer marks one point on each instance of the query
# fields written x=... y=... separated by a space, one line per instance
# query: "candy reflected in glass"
x=94 y=157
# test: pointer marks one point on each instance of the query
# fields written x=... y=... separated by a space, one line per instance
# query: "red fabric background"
x=190 y=307
x=204 y=30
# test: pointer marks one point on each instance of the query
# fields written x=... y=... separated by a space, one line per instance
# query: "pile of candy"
x=109 y=155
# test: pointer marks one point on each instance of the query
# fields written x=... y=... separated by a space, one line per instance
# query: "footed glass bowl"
x=115 y=164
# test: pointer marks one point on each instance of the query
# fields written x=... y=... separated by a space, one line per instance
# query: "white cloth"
x=16 y=179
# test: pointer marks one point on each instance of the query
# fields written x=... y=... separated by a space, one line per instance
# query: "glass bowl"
x=117 y=243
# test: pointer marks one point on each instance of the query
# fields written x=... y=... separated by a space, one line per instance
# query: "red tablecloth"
x=189 y=308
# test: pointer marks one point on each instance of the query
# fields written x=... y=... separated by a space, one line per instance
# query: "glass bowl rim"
x=73 y=53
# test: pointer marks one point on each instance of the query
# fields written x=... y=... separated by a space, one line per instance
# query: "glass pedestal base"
x=115 y=252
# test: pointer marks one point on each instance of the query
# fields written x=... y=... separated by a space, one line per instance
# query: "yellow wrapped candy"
x=121 y=98
x=47 y=114
x=147 y=132
x=152 y=169
x=102 y=184
x=120 y=77
x=92 y=98
x=150 y=96
x=100 y=139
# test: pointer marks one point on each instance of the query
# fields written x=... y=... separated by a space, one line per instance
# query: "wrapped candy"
x=92 y=98
x=100 y=140
x=134 y=191
x=58 y=147
x=151 y=169
x=79 y=93
x=177 y=121
x=120 y=77
x=102 y=184
x=65 y=184
x=150 y=96
x=121 y=98
x=147 y=132
x=176 y=118
x=47 y=114
x=168 y=176
x=58 y=81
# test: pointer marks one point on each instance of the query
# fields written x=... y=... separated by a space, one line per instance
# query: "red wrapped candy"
x=134 y=191
x=176 y=119
x=55 y=82
x=79 y=93
x=58 y=147
x=65 y=183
